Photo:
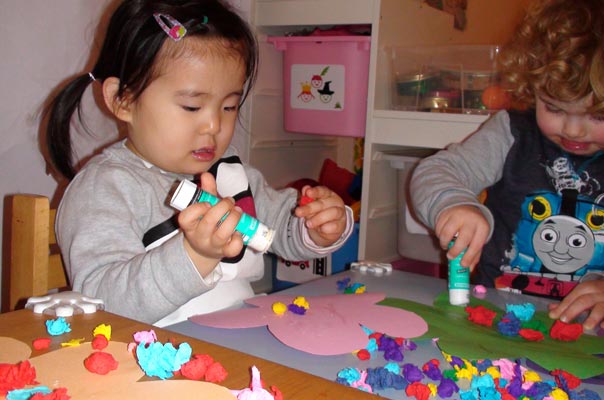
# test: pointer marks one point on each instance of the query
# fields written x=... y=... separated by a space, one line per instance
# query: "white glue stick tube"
x=459 y=281
x=255 y=234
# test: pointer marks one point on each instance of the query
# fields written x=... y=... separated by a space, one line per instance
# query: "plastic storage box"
x=459 y=78
x=325 y=83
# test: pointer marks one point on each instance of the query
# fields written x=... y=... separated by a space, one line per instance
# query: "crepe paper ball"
x=58 y=326
x=494 y=372
x=73 y=342
x=418 y=390
x=377 y=336
x=371 y=346
x=412 y=373
x=433 y=389
x=446 y=388
x=480 y=315
x=296 y=309
x=104 y=330
x=276 y=393
x=279 y=308
x=565 y=379
x=393 y=367
x=431 y=370
x=483 y=365
x=300 y=301
x=558 y=394
x=100 y=363
x=495 y=98
x=456 y=362
x=393 y=355
x=205 y=358
x=16 y=376
x=524 y=312
x=531 y=335
x=359 y=289
x=255 y=391
x=484 y=384
x=194 y=369
x=509 y=325
x=409 y=345
x=479 y=289
x=349 y=375
x=100 y=342
x=535 y=325
x=565 y=332
x=216 y=373
x=361 y=384
x=363 y=354
x=41 y=343
x=304 y=200
x=387 y=342
x=145 y=337
x=381 y=378
x=343 y=283
x=355 y=288
x=161 y=360
x=18 y=394
x=586 y=394
x=464 y=373
x=539 y=390
x=506 y=368
x=57 y=394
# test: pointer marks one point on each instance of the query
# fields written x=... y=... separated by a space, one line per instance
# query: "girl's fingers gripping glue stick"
x=255 y=234
x=459 y=281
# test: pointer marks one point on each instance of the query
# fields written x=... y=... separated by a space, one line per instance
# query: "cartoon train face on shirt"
x=561 y=234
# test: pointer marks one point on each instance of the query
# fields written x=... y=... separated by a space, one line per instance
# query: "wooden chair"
x=35 y=264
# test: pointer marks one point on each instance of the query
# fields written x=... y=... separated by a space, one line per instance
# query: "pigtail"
x=58 y=128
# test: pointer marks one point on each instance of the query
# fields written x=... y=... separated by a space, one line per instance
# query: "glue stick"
x=459 y=280
x=255 y=234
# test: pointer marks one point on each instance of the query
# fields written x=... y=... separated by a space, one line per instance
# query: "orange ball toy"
x=495 y=98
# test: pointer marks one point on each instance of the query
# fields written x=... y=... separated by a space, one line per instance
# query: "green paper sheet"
x=462 y=338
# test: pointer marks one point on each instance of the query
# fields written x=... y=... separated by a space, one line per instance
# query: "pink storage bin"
x=325 y=83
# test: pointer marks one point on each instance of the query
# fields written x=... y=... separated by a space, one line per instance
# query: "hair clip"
x=176 y=32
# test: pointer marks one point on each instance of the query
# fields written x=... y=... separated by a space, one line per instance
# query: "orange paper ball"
x=495 y=98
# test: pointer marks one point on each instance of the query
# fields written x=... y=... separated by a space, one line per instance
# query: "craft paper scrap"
x=332 y=324
x=451 y=325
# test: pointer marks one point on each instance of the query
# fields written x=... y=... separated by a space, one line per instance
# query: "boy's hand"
x=210 y=230
x=586 y=296
x=470 y=229
x=325 y=215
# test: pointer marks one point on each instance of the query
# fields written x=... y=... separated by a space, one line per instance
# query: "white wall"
x=43 y=42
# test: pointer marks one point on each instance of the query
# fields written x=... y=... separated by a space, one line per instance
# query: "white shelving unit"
x=393 y=22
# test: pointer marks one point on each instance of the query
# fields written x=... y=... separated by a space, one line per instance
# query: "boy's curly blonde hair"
x=557 y=51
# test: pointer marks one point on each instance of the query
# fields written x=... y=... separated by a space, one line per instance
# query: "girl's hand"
x=210 y=230
x=471 y=228
x=325 y=215
x=585 y=297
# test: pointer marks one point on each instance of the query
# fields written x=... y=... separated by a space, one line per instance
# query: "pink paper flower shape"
x=331 y=326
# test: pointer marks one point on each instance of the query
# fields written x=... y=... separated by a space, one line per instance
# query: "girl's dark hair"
x=130 y=53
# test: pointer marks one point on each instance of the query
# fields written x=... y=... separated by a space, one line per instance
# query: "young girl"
x=176 y=73
x=541 y=229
